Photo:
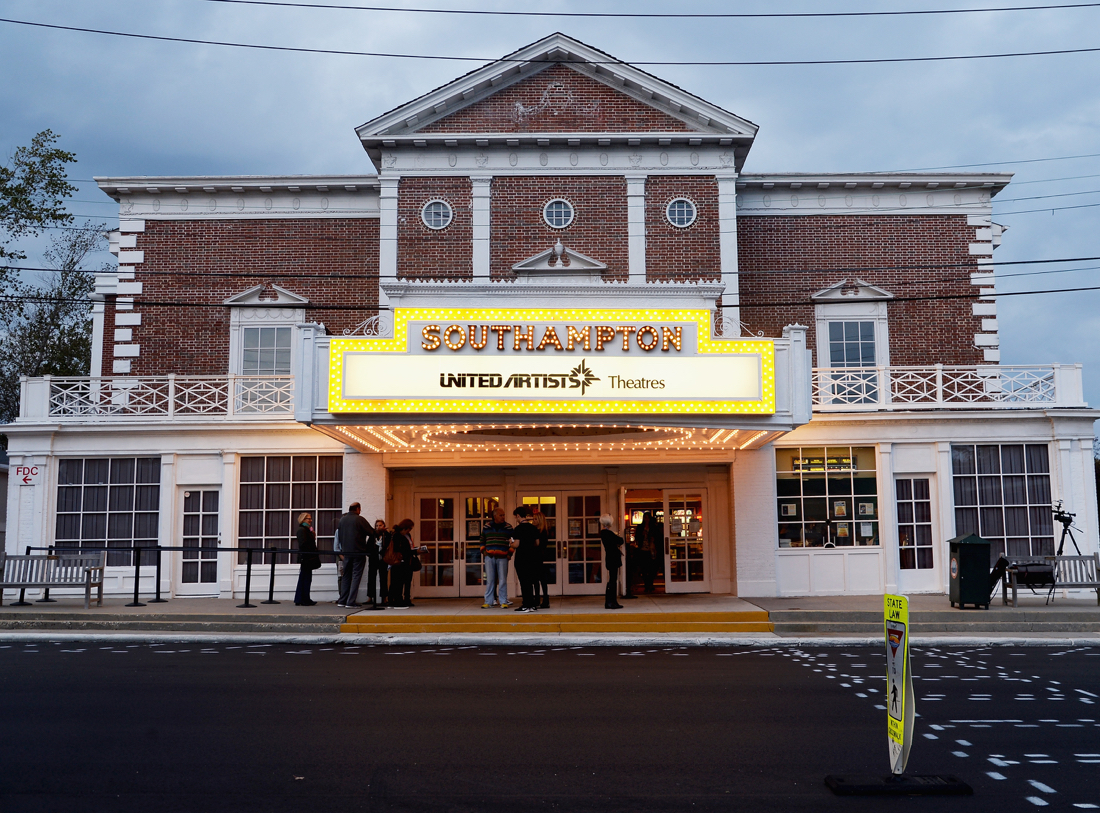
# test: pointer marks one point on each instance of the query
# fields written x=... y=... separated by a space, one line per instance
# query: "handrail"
x=945 y=386
x=88 y=398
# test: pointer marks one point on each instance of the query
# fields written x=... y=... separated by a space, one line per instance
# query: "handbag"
x=391 y=557
x=415 y=564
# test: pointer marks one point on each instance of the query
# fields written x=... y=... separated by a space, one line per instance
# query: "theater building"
x=556 y=285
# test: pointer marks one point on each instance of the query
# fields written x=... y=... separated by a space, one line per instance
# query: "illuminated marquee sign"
x=551 y=361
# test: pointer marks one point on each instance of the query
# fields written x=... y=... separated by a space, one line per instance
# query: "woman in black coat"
x=401 y=572
x=613 y=560
x=308 y=560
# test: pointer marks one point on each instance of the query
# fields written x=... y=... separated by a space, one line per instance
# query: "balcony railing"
x=153 y=397
x=942 y=386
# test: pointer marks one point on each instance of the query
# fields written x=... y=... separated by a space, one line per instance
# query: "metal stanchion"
x=271 y=582
x=158 y=599
x=247 y=578
x=46 y=592
x=137 y=577
x=23 y=591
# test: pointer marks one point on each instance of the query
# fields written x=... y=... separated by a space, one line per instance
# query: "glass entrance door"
x=198 y=563
x=449 y=528
x=574 y=522
x=547 y=505
x=685 y=559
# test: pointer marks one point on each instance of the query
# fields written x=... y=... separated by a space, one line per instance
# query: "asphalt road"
x=90 y=727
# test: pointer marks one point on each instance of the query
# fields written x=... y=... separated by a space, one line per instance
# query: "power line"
x=645 y=15
x=999 y=163
x=486 y=60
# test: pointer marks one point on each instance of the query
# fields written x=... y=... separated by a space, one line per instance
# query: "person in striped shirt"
x=496 y=550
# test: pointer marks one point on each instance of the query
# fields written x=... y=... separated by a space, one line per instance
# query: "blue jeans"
x=496 y=578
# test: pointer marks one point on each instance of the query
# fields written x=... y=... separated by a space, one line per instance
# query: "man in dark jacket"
x=356 y=536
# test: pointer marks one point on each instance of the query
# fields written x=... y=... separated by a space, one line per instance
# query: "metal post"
x=23 y=591
x=247 y=578
x=158 y=599
x=271 y=581
x=137 y=577
x=46 y=592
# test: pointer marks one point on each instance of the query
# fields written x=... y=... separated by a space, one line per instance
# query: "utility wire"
x=486 y=60
x=654 y=15
x=999 y=163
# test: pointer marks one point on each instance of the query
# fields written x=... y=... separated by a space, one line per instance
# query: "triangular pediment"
x=559 y=260
x=852 y=290
x=560 y=85
x=266 y=296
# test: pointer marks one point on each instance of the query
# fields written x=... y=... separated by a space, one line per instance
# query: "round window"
x=558 y=213
x=680 y=212
x=436 y=214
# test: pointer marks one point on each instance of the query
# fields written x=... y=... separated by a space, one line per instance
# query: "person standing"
x=647 y=549
x=400 y=562
x=547 y=550
x=496 y=549
x=613 y=560
x=354 y=534
x=525 y=542
x=376 y=571
x=308 y=560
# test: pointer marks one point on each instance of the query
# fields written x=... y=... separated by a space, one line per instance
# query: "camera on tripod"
x=1063 y=516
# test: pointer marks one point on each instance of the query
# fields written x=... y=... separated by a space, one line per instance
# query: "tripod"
x=1066 y=518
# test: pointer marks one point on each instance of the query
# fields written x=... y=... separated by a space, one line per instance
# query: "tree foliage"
x=33 y=188
x=45 y=327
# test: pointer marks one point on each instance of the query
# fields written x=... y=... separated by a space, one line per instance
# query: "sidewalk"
x=685 y=619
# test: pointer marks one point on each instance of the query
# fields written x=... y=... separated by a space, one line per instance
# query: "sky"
x=139 y=107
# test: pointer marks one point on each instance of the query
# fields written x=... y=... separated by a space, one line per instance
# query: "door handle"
x=666 y=546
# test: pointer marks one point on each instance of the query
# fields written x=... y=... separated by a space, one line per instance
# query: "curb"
x=753 y=640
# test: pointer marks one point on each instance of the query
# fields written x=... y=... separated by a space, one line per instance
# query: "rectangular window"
x=1002 y=494
x=914 y=503
x=827 y=497
x=276 y=489
x=266 y=351
x=109 y=503
x=851 y=344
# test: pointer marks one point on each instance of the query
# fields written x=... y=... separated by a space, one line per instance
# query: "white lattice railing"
x=943 y=386
x=170 y=396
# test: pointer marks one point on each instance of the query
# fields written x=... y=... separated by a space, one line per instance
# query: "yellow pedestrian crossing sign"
x=900 y=701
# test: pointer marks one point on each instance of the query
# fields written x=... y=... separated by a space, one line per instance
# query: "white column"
x=635 y=226
x=166 y=533
x=387 y=235
x=887 y=518
x=365 y=483
x=727 y=246
x=227 y=524
x=98 y=317
x=945 y=486
x=480 y=225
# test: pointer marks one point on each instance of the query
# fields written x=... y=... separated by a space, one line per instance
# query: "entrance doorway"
x=665 y=529
x=918 y=571
x=575 y=557
x=449 y=527
x=197 y=565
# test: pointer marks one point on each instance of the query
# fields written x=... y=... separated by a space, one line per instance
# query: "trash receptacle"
x=969 y=570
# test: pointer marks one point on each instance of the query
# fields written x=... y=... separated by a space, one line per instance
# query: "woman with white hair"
x=613 y=560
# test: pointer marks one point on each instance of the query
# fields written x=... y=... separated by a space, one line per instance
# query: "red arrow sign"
x=26 y=480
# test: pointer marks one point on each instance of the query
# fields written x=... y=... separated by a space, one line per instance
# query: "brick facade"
x=674 y=253
x=599 y=229
x=186 y=257
x=424 y=253
x=829 y=249
x=558 y=99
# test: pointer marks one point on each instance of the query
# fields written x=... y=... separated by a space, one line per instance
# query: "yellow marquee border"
x=399 y=344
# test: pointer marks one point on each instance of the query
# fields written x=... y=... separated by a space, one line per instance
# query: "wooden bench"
x=54 y=570
x=1080 y=571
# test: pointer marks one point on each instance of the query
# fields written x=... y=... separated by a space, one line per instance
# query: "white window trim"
x=694 y=212
x=241 y=318
x=424 y=214
x=572 y=213
x=853 y=312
